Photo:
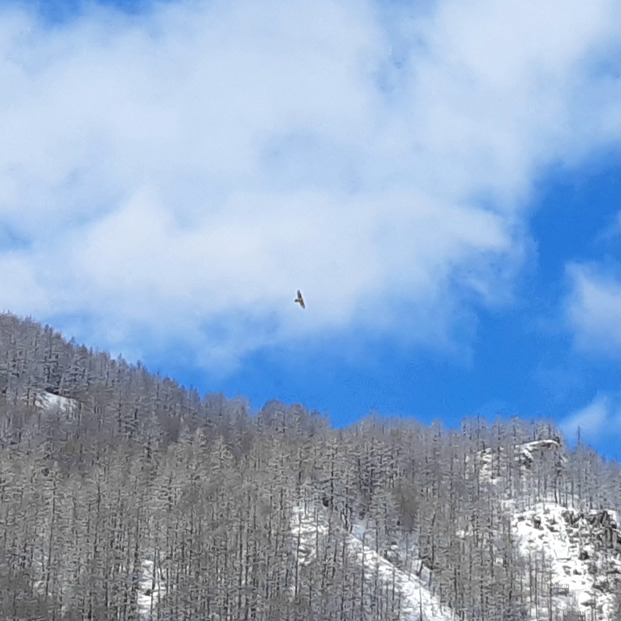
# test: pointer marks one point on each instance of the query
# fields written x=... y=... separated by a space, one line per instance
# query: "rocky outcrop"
x=582 y=555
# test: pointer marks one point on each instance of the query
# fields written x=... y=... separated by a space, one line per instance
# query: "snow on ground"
x=308 y=523
x=150 y=587
x=489 y=461
x=572 y=548
x=49 y=401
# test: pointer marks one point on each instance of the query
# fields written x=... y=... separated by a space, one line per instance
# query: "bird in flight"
x=300 y=299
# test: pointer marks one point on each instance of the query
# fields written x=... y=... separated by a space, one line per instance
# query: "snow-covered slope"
x=308 y=524
x=576 y=555
x=572 y=559
x=580 y=556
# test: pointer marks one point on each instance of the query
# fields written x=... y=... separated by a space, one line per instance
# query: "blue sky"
x=441 y=179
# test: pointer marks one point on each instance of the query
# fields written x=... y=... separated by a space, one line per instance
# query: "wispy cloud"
x=601 y=417
x=180 y=174
x=593 y=309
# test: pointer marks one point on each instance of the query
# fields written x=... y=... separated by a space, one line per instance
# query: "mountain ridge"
x=125 y=496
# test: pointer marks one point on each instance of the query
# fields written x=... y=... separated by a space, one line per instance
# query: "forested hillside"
x=124 y=496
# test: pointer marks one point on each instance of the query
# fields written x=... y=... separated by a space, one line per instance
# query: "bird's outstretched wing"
x=300 y=300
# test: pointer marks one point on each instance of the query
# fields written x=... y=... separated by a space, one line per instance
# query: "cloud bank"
x=174 y=177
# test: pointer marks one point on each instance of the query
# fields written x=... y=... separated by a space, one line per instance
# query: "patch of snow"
x=49 y=401
x=308 y=523
x=150 y=588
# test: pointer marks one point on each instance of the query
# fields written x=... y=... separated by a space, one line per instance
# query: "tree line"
x=137 y=498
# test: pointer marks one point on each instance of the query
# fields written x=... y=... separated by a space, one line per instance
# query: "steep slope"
x=124 y=495
x=415 y=601
x=579 y=552
x=573 y=555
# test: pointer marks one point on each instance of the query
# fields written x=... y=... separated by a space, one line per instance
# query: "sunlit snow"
x=49 y=401
x=566 y=541
x=308 y=523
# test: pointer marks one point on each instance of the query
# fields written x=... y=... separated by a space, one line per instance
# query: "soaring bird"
x=300 y=299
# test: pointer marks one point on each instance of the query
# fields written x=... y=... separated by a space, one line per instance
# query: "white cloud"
x=594 y=309
x=180 y=174
x=601 y=417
